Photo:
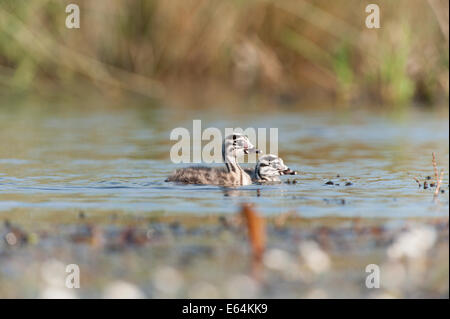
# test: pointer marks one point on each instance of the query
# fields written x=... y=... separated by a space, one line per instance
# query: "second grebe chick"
x=268 y=169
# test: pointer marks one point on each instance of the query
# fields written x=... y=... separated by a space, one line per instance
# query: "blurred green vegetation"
x=275 y=48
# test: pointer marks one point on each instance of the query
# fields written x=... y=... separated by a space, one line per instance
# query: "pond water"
x=105 y=160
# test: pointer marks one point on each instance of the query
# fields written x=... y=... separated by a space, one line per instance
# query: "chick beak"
x=288 y=171
x=251 y=150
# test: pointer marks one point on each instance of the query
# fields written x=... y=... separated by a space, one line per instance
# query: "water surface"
x=118 y=159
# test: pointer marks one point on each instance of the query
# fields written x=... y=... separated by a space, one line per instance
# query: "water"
x=103 y=160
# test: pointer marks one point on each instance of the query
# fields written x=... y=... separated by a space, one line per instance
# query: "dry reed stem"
x=439 y=183
x=436 y=175
x=256 y=230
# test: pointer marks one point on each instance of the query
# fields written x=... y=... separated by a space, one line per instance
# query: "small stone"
x=329 y=183
x=348 y=184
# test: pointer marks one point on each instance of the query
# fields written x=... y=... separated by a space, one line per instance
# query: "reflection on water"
x=119 y=159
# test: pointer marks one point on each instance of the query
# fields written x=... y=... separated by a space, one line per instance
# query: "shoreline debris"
x=438 y=178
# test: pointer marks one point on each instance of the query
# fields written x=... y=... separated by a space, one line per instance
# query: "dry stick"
x=438 y=186
x=436 y=176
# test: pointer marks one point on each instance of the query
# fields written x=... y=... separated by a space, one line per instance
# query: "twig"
x=436 y=176
x=438 y=185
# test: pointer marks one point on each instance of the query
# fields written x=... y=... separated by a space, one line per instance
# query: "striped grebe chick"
x=233 y=146
x=268 y=169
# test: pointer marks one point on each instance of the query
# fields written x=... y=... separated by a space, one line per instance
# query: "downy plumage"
x=234 y=146
x=268 y=169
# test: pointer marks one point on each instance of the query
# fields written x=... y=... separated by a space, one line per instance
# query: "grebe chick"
x=233 y=146
x=268 y=169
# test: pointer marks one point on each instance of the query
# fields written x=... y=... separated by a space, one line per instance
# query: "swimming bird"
x=233 y=146
x=268 y=169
